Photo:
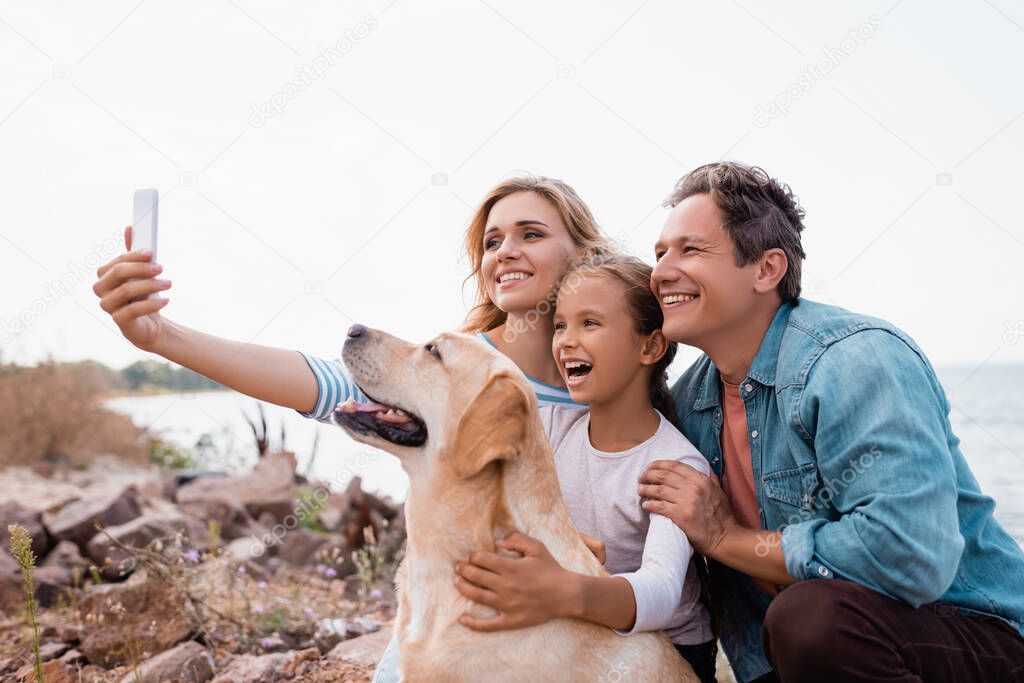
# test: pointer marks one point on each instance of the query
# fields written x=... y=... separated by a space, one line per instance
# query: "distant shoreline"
x=158 y=391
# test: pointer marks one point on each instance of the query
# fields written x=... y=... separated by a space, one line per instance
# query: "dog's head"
x=453 y=402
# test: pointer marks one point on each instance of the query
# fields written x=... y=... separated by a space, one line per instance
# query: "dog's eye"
x=432 y=350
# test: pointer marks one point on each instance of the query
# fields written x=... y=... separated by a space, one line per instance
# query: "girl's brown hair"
x=635 y=276
x=578 y=220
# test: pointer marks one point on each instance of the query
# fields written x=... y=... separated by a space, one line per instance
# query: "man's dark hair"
x=760 y=212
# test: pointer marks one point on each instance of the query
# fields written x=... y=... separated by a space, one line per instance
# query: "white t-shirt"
x=648 y=550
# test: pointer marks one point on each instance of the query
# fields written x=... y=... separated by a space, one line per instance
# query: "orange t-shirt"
x=737 y=467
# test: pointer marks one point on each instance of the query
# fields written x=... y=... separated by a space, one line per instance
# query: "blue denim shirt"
x=856 y=463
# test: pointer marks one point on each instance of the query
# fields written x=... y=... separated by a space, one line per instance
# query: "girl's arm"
x=534 y=588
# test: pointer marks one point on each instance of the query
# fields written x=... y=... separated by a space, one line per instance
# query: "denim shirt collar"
x=761 y=370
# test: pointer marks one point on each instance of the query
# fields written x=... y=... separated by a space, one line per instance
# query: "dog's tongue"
x=382 y=412
x=350 y=406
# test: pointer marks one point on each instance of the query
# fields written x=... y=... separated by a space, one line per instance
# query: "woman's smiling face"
x=526 y=249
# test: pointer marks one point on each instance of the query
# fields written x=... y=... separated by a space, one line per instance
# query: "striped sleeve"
x=335 y=386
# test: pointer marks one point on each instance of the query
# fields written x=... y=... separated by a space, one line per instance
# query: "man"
x=848 y=538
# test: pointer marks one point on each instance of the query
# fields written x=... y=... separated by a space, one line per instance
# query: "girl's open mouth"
x=576 y=372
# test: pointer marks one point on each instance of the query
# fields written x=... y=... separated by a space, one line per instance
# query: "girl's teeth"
x=513 y=276
x=673 y=298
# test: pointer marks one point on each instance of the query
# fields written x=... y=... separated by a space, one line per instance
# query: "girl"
x=612 y=356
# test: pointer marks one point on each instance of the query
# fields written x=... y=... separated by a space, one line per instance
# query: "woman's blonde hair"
x=578 y=220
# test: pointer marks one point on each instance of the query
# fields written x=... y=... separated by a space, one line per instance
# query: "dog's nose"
x=356 y=331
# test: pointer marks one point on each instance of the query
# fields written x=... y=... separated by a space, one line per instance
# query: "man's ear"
x=771 y=269
x=493 y=426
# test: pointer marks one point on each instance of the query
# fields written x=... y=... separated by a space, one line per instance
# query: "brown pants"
x=836 y=630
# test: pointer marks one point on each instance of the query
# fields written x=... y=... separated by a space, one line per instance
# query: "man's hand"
x=595 y=545
x=526 y=590
x=694 y=501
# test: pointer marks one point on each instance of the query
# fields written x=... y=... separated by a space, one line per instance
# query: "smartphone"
x=145 y=204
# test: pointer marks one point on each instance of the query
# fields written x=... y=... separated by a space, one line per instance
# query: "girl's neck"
x=625 y=420
x=528 y=343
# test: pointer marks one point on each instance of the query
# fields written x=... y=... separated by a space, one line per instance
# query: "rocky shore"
x=149 y=575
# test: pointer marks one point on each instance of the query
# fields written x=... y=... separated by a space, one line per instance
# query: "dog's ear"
x=493 y=426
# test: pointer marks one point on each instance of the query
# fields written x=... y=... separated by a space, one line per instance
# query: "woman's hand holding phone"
x=122 y=284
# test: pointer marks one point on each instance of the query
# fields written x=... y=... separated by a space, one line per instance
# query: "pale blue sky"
x=285 y=230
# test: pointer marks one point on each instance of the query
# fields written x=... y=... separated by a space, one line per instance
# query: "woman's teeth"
x=673 y=298
x=513 y=276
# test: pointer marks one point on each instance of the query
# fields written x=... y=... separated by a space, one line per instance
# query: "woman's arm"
x=280 y=376
x=274 y=375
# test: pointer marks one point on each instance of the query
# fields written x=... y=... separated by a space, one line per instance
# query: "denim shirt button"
x=748 y=387
x=824 y=571
x=753 y=434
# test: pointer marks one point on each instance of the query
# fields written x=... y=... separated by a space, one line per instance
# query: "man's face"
x=703 y=293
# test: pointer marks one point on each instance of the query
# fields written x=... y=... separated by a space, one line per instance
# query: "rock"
x=269 y=487
x=143 y=614
x=12 y=513
x=26 y=488
x=52 y=650
x=266 y=668
x=273 y=643
x=189 y=662
x=12 y=592
x=247 y=550
x=73 y=657
x=300 y=546
x=355 y=588
x=142 y=531
x=76 y=522
x=66 y=554
x=52 y=584
x=54 y=671
x=182 y=477
x=330 y=632
x=361 y=626
x=366 y=650
x=229 y=513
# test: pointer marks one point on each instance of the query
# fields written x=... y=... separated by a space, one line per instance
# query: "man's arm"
x=696 y=503
x=877 y=417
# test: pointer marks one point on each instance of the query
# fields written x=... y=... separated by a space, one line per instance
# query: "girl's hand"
x=116 y=286
x=526 y=590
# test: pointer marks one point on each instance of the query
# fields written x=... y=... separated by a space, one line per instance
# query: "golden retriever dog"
x=463 y=420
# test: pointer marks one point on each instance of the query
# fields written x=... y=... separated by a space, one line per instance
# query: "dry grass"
x=52 y=413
